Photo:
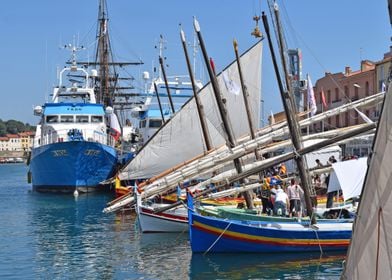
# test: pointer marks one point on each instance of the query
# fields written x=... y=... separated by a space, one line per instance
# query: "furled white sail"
x=370 y=255
x=181 y=138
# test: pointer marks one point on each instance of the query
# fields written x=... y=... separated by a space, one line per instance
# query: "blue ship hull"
x=66 y=166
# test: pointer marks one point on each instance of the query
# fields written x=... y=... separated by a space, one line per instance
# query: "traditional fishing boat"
x=173 y=220
x=217 y=235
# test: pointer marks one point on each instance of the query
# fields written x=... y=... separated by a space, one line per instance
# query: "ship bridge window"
x=52 y=119
x=81 y=119
x=67 y=119
x=96 y=119
x=142 y=124
x=155 y=123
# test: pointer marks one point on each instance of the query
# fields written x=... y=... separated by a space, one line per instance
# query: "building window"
x=328 y=97
x=382 y=72
x=346 y=92
x=338 y=121
x=381 y=78
x=337 y=94
x=367 y=92
x=356 y=93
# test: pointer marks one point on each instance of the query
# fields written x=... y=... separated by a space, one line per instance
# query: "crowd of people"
x=281 y=200
x=287 y=199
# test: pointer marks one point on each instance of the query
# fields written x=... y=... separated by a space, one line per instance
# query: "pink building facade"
x=334 y=90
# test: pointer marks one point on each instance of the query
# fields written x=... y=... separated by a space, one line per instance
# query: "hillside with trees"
x=13 y=127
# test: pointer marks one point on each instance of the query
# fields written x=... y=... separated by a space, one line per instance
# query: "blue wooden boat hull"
x=66 y=166
x=216 y=235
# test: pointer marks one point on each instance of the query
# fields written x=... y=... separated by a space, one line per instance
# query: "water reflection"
x=268 y=266
x=71 y=237
x=163 y=255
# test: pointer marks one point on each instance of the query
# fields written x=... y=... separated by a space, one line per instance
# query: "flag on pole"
x=325 y=106
x=230 y=84
x=311 y=98
x=212 y=65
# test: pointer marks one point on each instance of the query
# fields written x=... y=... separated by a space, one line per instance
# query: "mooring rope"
x=315 y=231
x=213 y=244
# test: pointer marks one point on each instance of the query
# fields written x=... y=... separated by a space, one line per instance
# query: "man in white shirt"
x=281 y=202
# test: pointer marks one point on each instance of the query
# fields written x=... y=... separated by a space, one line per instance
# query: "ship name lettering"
x=59 y=153
x=91 y=152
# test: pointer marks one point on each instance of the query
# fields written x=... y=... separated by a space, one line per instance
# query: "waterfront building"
x=382 y=70
x=26 y=140
x=20 y=142
x=334 y=90
x=14 y=143
x=4 y=144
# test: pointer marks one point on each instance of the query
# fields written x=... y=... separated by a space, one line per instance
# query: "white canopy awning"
x=348 y=176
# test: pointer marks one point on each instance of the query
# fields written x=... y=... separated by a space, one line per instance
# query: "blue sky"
x=331 y=34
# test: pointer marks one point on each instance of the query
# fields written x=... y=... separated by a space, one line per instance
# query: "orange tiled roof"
x=12 y=135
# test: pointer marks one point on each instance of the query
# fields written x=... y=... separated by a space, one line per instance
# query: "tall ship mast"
x=107 y=85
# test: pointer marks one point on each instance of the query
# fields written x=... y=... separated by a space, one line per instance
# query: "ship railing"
x=67 y=135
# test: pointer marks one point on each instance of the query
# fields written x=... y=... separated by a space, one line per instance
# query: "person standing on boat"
x=281 y=203
x=267 y=193
x=265 y=196
x=294 y=192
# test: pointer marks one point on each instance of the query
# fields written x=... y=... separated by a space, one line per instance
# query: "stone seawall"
x=13 y=154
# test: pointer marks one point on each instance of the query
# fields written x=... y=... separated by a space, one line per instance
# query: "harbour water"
x=47 y=236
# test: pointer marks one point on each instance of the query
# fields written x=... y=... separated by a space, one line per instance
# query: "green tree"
x=14 y=126
x=3 y=129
